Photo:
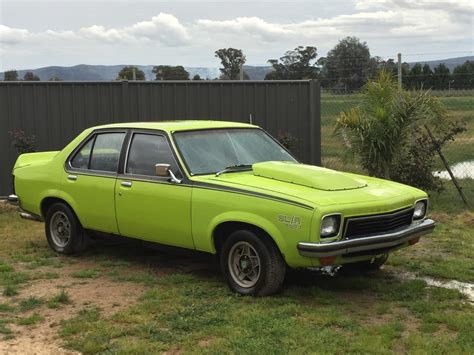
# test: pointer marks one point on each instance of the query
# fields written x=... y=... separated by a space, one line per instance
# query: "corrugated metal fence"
x=55 y=112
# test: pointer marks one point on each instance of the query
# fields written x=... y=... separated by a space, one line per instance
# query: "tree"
x=295 y=65
x=441 y=77
x=29 y=76
x=197 y=77
x=245 y=76
x=386 y=132
x=427 y=78
x=127 y=73
x=10 y=75
x=167 y=72
x=348 y=65
x=55 y=78
x=413 y=79
x=232 y=60
x=463 y=75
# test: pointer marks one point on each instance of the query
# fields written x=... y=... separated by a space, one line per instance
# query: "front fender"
x=248 y=218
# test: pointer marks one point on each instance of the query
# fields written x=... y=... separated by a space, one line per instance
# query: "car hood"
x=307 y=175
x=313 y=185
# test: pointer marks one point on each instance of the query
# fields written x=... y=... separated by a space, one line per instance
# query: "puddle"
x=464 y=287
x=463 y=170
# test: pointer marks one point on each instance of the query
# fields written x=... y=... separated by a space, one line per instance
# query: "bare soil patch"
x=101 y=293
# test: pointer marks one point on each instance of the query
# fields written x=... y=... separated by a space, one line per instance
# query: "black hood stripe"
x=204 y=185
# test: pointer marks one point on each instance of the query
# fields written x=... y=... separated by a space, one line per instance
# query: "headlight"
x=420 y=209
x=330 y=226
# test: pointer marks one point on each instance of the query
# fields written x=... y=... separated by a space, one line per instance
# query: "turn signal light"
x=327 y=260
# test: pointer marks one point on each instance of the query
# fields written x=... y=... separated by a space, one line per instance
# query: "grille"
x=362 y=226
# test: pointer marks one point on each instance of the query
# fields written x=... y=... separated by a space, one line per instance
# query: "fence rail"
x=55 y=112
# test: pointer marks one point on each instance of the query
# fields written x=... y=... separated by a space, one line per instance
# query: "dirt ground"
x=101 y=293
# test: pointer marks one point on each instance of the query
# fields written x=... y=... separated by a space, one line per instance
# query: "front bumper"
x=366 y=245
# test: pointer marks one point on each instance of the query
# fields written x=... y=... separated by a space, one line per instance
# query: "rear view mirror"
x=164 y=170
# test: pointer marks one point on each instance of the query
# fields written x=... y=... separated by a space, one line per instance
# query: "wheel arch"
x=48 y=201
x=225 y=228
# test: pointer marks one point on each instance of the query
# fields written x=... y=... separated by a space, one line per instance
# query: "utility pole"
x=241 y=73
x=399 y=71
x=134 y=74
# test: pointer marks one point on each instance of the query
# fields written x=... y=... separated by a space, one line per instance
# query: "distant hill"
x=451 y=63
x=109 y=72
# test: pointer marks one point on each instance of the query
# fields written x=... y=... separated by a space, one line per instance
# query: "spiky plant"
x=386 y=122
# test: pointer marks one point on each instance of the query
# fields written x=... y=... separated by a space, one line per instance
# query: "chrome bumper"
x=366 y=244
x=13 y=200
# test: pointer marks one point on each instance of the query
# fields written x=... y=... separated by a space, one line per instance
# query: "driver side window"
x=147 y=150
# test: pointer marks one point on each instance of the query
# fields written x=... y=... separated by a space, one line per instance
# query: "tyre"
x=64 y=232
x=252 y=265
x=369 y=265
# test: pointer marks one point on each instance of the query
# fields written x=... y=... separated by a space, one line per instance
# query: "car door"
x=149 y=207
x=90 y=179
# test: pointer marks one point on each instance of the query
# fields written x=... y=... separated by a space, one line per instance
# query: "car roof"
x=172 y=126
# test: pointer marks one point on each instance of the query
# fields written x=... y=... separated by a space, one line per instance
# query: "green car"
x=224 y=188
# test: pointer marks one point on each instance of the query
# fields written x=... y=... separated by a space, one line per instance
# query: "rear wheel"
x=369 y=265
x=64 y=232
x=251 y=264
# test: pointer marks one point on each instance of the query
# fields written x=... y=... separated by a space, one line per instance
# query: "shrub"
x=288 y=141
x=387 y=132
x=22 y=142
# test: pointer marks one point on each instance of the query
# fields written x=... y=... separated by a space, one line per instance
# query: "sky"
x=41 y=33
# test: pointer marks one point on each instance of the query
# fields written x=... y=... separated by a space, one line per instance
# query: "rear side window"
x=106 y=152
x=101 y=153
x=81 y=159
x=146 y=151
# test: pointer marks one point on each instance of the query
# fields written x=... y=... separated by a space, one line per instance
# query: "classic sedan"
x=224 y=188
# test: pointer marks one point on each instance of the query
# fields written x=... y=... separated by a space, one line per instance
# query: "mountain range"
x=109 y=72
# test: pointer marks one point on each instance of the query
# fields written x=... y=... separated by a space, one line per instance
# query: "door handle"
x=126 y=184
x=72 y=177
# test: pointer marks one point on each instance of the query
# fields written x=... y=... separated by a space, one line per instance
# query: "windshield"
x=210 y=151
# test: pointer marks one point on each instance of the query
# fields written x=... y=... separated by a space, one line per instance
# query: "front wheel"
x=251 y=264
x=64 y=232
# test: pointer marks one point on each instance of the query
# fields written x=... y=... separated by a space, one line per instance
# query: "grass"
x=62 y=298
x=193 y=311
x=321 y=314
x=86 y=274
x=10 y=291
x=460 y=107
x=30 y=303
x=31 y=320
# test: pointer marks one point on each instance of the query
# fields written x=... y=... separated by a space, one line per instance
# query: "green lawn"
x=460 y=106
x=180 y=303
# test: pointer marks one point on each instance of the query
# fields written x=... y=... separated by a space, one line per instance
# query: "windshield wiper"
x=234 y=168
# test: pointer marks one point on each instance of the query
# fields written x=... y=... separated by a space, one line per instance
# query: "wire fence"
x=458 y=153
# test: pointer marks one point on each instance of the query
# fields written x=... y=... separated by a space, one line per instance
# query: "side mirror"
x=164 y=170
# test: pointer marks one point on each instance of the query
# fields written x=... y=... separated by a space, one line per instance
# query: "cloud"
x=452 y=8
x=163 y=28
x=9 y=35
x=249 y=26
x=387 y=25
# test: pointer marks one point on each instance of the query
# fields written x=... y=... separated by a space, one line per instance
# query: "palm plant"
x=386 y=123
